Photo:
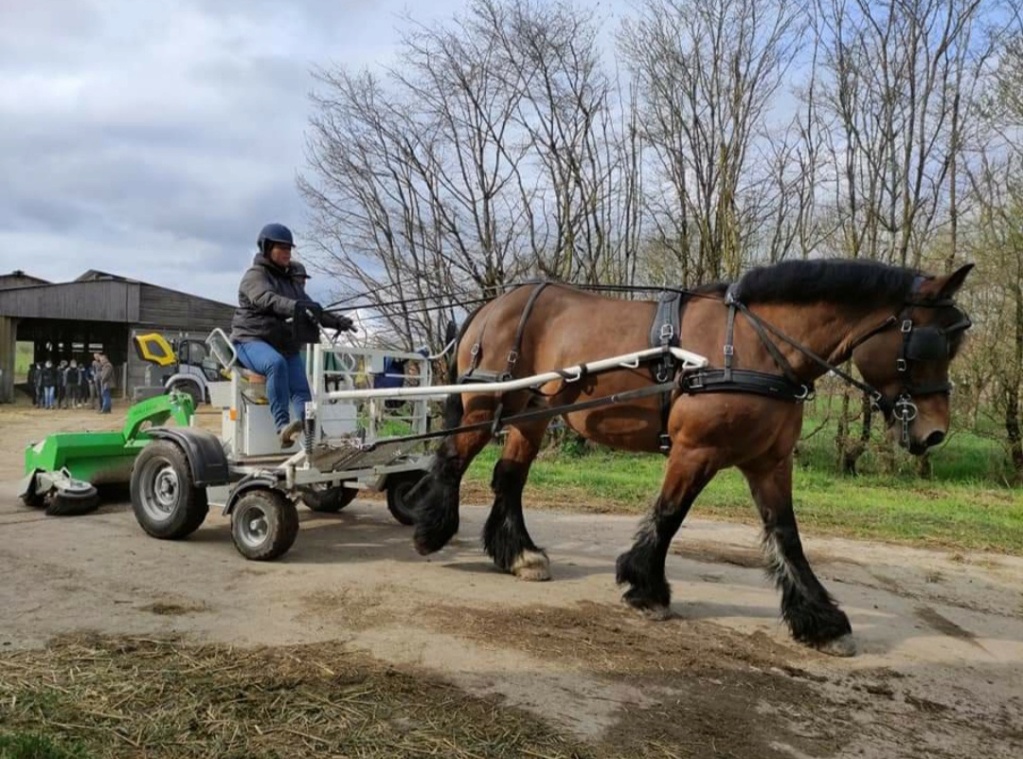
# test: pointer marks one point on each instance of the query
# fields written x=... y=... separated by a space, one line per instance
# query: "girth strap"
x=666 y=332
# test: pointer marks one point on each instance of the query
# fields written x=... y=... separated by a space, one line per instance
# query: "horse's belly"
x=632 y=425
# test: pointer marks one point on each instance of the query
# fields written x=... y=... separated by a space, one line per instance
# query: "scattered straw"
x=119 y=697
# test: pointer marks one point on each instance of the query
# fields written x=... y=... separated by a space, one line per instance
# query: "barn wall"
x=173 y=310
x=8 y=349
x=79 y=301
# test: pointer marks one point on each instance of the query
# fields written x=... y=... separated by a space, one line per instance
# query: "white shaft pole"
x=574 y=373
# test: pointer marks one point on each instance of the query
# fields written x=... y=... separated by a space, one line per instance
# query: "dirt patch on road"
x=721 y=693
x=714 y=692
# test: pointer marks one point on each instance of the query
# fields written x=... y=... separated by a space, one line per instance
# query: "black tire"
x=73 y=503
x=264 y=524
x=328 y=500
x=398 y=486
x=192 y=389
x=164 y=497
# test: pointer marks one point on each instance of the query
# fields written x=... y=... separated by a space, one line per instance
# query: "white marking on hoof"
x=844 y=646
x=532 y=566
x=652 y=613
x=656 y=613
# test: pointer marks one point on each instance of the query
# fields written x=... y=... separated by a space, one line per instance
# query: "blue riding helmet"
x=272 y=233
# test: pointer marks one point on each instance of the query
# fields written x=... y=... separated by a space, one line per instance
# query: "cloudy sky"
x=153 y=139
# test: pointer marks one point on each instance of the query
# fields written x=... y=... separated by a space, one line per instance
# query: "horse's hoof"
x=843 y=646
x=532 y=566
x=656 y=613
x=650 y=610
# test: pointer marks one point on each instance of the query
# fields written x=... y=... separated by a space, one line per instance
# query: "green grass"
x=22 y=359
x=955 y=509
x=21 y=745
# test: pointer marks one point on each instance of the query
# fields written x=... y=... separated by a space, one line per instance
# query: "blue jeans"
x=285 y=379
x=106 y=403
x=48 y=394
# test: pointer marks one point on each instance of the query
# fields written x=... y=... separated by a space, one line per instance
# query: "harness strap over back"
x=513 y=354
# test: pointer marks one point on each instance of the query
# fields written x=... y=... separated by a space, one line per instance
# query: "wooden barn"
x=95 y=312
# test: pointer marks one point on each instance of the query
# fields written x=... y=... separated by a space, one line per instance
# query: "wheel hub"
x=254 y=528
x=161 y=496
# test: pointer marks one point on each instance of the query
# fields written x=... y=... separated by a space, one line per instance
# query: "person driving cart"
x=271 y=293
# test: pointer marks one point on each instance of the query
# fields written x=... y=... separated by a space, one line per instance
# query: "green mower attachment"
x=63 y=471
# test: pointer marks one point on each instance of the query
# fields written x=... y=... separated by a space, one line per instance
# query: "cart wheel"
x=73 y=501
x=328 y=500
x=264 y=524
x=164 y=497
x=398 y=486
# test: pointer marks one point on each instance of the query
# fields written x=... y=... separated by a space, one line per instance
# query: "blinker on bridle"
x=919 y=345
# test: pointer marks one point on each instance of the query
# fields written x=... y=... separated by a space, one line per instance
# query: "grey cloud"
x=155 y=137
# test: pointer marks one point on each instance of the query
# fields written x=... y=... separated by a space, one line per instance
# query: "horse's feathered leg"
x=642 y=566
x=810 y=612
x=435 y=498
x=505 y=536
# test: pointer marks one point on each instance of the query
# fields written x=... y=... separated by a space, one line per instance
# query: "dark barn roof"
x=18 y=278
x=101 y=297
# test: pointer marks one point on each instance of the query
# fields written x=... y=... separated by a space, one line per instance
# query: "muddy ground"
x=939 y=672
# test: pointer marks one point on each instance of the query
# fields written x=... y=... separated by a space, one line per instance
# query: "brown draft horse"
x=900 y=327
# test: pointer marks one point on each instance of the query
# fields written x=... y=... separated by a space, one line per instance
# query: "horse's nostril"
x=935 y=438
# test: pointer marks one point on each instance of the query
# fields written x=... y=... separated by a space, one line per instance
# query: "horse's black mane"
x=846 y=281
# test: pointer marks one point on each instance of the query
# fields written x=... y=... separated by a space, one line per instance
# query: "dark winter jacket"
x=49 y=376
x=106 y=375
x=266 y=298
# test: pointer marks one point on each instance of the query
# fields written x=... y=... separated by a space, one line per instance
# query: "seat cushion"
x=251 y=376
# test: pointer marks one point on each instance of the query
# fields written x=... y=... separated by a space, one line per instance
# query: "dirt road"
x=940 y=669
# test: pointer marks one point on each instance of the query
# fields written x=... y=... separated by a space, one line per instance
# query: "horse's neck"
x=826 y=330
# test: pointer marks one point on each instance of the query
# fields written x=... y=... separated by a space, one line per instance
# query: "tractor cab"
x=185 y=365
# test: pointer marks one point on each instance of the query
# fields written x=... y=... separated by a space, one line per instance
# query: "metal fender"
x=255 y=481
x=203 y=449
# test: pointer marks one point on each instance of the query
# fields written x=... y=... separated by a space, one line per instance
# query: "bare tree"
x=583 y=154
x=707 y=71
x=496 y=149
x=894 y=95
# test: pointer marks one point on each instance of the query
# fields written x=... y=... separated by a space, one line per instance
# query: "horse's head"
x=908 y=362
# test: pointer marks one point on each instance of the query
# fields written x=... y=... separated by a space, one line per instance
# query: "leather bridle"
x=919 y=346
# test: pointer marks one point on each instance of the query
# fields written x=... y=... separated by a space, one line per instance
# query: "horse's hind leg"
x=504 y=536
x=811 y=614
x=434 y=499
x=642 y=566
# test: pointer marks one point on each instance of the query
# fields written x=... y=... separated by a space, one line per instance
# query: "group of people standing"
x=73 y=385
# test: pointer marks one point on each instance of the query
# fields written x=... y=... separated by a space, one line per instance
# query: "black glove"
x=308 y=309
x=338 y=322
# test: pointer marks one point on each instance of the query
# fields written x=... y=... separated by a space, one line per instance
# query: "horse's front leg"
x=435 y=498
x=812 y=615
x=505 y=536
x=642 y=566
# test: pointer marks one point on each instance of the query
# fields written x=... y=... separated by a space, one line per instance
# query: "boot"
x=289 y=433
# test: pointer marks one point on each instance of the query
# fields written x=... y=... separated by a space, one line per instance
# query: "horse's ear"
x=954 y=281
x=945 y=288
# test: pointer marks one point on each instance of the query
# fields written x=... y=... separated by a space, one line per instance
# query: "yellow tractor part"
x=155 y=349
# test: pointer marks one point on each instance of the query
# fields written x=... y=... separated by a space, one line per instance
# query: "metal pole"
x=572 y=374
